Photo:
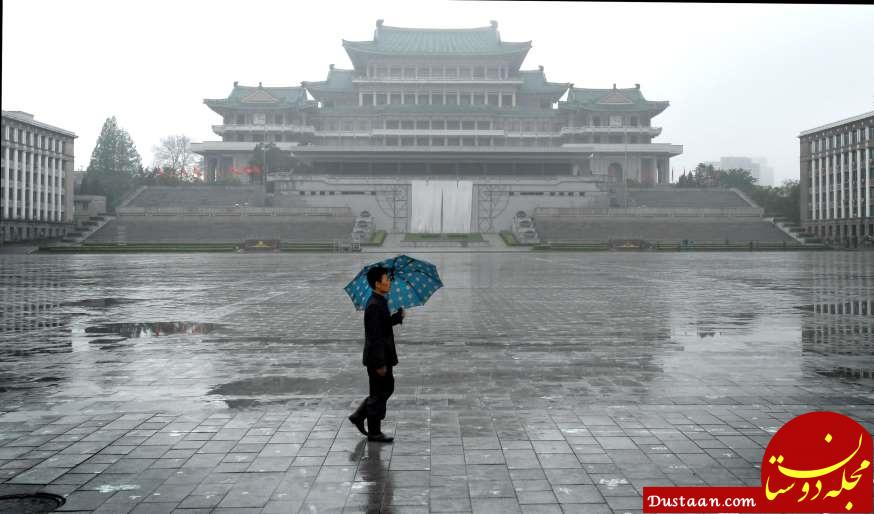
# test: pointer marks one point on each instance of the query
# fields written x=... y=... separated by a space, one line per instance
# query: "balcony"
x=437 y=79
x=298 y=129
x=650 y=131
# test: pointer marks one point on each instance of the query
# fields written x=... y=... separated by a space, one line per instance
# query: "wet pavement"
x=530 y=383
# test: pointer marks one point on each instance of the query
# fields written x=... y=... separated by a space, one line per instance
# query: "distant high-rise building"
x=36 y=195
x=758 y=168
x=837 y=164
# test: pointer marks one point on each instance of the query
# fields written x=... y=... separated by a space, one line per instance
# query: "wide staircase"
x=668 y=218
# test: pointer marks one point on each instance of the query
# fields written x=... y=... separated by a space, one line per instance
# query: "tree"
x=175 y=153
x=276 y=159
x=114 y=164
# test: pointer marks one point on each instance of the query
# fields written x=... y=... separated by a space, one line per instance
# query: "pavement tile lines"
x=507 y=398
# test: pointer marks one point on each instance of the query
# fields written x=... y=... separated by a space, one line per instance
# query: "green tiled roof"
x=257 y=96
x=338 y=81
x=620 y=100
x=534 y=81
x=409 y=41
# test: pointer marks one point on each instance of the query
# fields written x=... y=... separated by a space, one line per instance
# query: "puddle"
x=100 y=303
x=135 y=330
x=854 y=308
x=275 y=385
x=850 y=373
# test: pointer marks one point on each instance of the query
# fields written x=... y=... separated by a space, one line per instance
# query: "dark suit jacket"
x=379 y=338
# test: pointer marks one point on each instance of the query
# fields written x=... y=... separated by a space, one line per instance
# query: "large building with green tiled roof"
x=437 y=104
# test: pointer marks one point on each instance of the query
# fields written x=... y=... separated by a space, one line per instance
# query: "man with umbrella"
x=398 y=282
x=379 y=355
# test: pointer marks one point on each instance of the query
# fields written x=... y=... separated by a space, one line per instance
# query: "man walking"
x=379 y=355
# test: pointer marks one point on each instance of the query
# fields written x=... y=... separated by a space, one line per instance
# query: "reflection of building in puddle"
x=838 y=323
x=31 y=320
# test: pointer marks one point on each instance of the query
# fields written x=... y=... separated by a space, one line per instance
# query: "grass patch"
x=470 y=238
x=509 y=238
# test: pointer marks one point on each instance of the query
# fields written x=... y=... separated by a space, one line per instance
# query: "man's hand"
x=381 y=371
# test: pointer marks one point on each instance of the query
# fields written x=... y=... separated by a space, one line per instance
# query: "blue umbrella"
x=413 y=282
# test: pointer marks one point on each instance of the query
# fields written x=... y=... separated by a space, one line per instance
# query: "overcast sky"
x=741 y=79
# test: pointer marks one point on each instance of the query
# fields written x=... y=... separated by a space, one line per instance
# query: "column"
x=500 y=97
x=361 y=99
x=31 y=197
x=514 y=99
x=843 y=182
x=813 y=190
x=7 y=181
x=59 y=173
x=50 y=183
x=859 y=184
x=40 y=172
x=14 y=206
x=867 y=183
x=828 y=189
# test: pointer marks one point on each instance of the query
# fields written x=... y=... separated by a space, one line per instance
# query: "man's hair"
x=375 y=274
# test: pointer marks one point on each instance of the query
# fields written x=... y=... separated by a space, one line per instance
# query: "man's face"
x=383 y=285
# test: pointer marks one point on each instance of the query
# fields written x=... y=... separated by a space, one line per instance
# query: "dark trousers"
x=381 y=388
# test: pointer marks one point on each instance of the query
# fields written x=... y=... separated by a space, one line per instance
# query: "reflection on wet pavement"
x=574 y=381
x=134 y=330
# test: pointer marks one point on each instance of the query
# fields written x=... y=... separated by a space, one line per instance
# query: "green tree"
x=115 y=164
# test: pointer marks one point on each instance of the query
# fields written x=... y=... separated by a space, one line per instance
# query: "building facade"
x=837 y=164
x=36 y=197
x=443 y=104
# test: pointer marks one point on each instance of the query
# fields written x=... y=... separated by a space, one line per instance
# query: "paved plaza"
x=532 y=382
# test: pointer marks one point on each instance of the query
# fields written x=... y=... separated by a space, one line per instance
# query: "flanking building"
x=837 y=166
x=36 y=196
x=423 y=110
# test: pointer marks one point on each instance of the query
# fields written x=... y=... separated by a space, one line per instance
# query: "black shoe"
x=380 y=438
x=359 y=424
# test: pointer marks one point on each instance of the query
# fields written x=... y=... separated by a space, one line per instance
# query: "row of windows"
x=262 y=118
x=27 y=137
x=24 y=179
x=439 y=72
x=492 y=98
x=364 y=124
x=826 y=143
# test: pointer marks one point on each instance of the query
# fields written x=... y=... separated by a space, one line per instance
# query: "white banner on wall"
x=441 y=205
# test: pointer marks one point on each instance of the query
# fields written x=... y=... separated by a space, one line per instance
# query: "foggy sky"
x=741 y=79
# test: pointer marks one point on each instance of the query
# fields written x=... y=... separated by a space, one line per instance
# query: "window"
x=392 y=124
x=438 y=125
x=468 y=125
x=615 y=121
x=465 y=73
x=395 y=72
x=634 y=121
x=381 y=99
x=507 y=100
x=409 y=98
x=436 y=98
x=479 y=73
x=410 y=73
x=453 y=125
x=465 y=99
x=451 y=73
x=451 y=98
x=493 y=99
x=492 y=73
x=422 y=125
x=407 y=125
x=483 y=125
x=367 y=99
x=596 y=121
x=479 y=99
x=423 y=99
x=395 y=99
x=424 y=72
x=467 y=141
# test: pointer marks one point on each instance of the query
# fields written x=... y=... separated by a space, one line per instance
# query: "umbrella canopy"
x=413 y=282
